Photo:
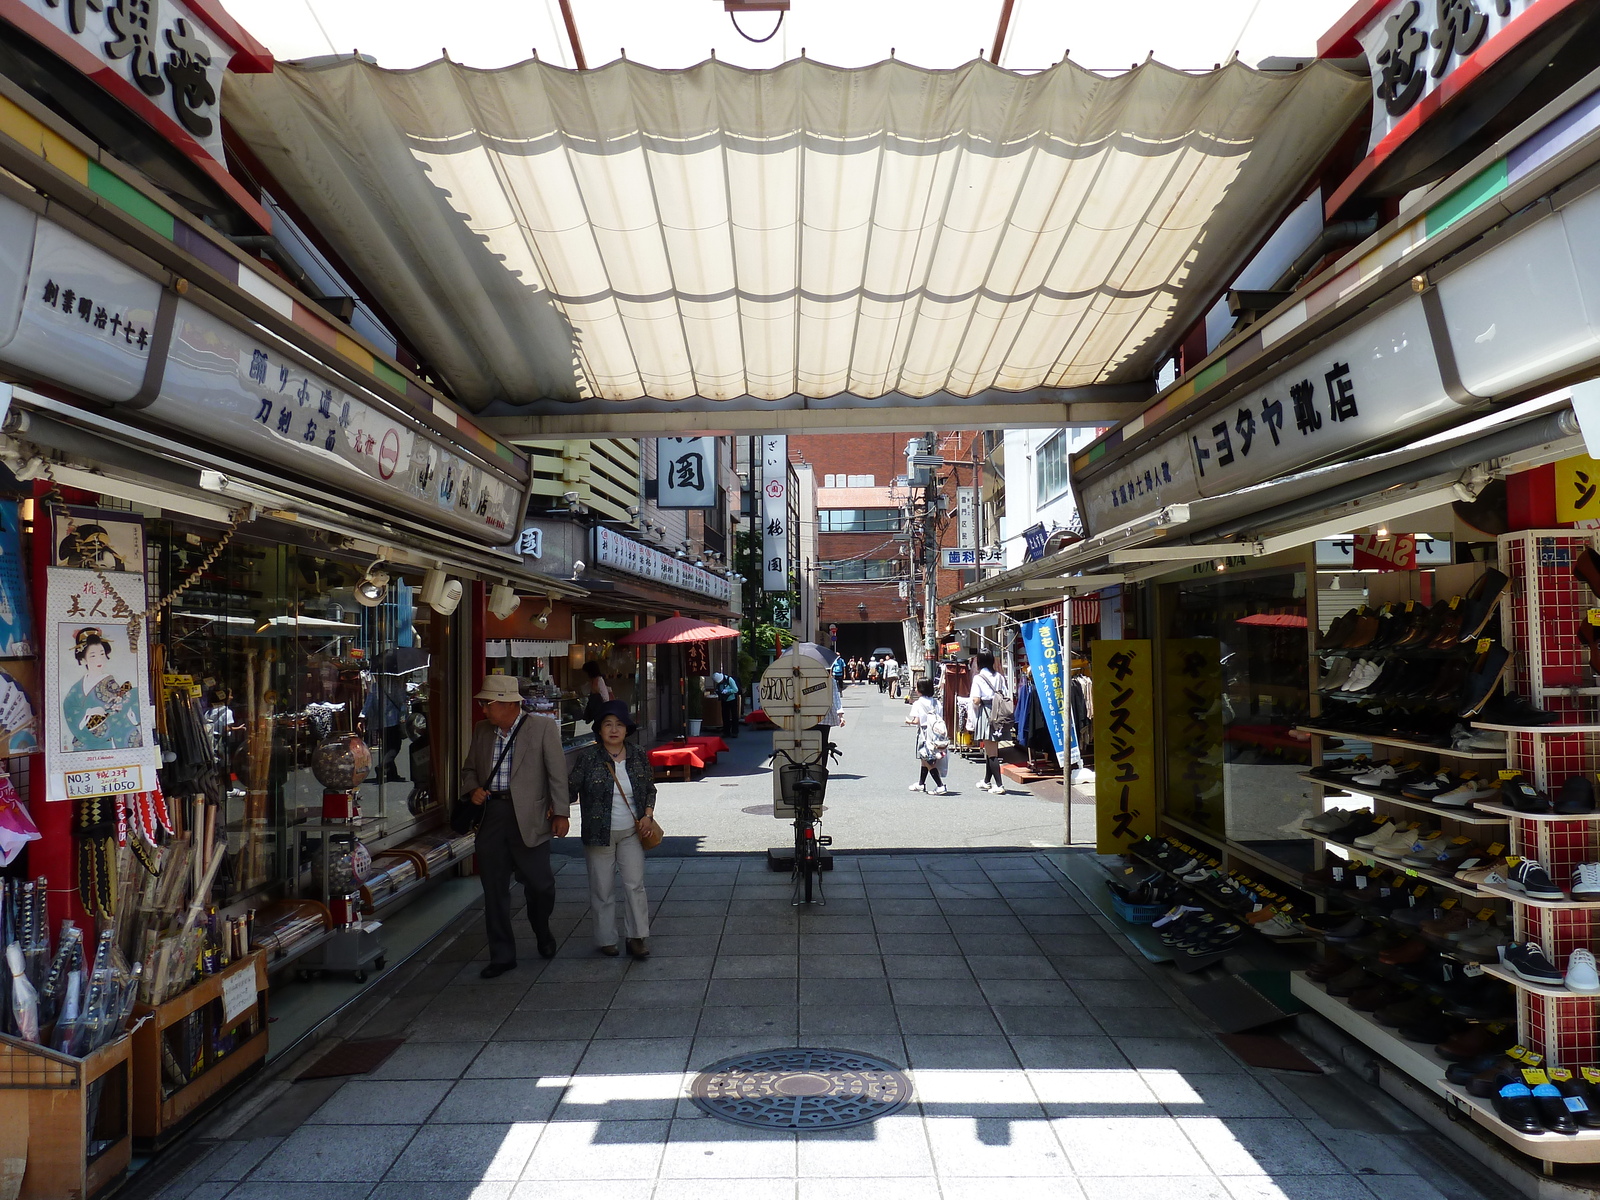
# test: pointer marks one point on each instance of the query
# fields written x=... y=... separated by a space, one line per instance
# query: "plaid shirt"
x=501 y=780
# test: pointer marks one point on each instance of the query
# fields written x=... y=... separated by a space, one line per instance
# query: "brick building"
x=869 y=564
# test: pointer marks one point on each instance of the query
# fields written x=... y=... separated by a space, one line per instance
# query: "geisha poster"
x=99 y=726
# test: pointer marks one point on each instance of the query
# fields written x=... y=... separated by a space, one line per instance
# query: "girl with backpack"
x=933 y=740
x=989 y=708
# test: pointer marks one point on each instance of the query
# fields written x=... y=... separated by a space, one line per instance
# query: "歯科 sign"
x=686 y=472
x=1125 y=741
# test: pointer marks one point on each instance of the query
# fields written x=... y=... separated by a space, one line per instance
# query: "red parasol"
x=676 y=630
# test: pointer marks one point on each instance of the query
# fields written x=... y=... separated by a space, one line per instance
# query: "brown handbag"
x=650 y=836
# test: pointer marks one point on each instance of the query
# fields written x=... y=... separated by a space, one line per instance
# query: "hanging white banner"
x=775 y=514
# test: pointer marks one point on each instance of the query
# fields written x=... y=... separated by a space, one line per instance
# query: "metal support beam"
x=1151 y=554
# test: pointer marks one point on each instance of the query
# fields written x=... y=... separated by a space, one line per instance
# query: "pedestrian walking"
x=599 y=693
x=933 y=740
x=615 y=790
x=891 y=670
x=988 y=708
x=875 y=674
x=514 y=785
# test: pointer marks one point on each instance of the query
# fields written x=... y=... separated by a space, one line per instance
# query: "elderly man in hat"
x=515 y=780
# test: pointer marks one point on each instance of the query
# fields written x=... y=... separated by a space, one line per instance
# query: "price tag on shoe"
x=1485 y=914
x=1560 y=1074
x=1519 y=1052
x=1410 y=604
x=1472 y=970
x=1505 y=774
x=1533 y=1077
x=1590 y=1074
x=1455 y=602
x=1594 y=616
x=1484 y=644
x=1495 y=850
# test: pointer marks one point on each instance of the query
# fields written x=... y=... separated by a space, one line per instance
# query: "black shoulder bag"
x=466 y=815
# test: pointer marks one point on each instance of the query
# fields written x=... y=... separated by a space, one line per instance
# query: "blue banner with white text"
x=1042 y=644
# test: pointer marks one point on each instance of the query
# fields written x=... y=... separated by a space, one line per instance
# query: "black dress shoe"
x=1481 y=601
x=495 y=970
x=1552 y=1108
x=546 y=941
x=1576 y=795
x=608 y=951
x=1513 y=1104
x=1481 y=683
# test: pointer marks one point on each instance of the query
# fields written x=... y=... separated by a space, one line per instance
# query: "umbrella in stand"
x=676 y=631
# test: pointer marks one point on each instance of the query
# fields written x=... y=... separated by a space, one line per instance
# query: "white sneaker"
x=1378 y=776
x=915 y=787
x=941 y=790
x=1586 y=881
x=1581 y=973
x=998 y=789
x=985 y=786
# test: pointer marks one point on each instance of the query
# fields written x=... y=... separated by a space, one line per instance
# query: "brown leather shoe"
x=637 y=948
x=608 y=951
x=1409 y=951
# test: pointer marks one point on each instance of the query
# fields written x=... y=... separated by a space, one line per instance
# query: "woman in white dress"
x=987 y=684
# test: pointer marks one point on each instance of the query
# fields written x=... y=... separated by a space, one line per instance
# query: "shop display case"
x=67 y=1120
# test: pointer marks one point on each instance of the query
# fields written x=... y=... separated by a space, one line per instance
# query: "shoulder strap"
x=611 y=765
x=506 y=749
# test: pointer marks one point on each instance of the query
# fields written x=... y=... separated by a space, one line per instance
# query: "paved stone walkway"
x=1047 y=1061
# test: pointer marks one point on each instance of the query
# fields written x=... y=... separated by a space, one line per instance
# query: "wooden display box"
x=44 y=1098
x=157 y=1115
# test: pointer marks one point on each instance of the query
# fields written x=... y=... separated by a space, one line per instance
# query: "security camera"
x=570 y=497
x=633 y=510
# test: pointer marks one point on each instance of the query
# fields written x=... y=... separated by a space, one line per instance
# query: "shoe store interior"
x=1380 y=809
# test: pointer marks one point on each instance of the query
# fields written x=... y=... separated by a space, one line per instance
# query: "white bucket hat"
x=500 y=687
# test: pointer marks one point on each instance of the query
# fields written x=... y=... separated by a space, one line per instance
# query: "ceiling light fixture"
x=373 y=587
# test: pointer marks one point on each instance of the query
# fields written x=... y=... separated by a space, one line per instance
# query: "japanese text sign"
x=1192 y=732
x=775 y=514
x=1125 y=738
x=1041 y=639
x=1578 y=489
x=612 y=549
x=686 y=472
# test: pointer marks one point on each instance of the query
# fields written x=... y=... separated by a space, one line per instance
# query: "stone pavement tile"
x=474 y=1101
x=1315 y=1187
x=831 y=923
x=670 y=966
x=967 y=1019
x=1397 y=1187
x=756 y=966
x=428 y=1060
x=991 y=1147
x=918 y=945
x=441 y=1190
x=993 y=1094
x=608 y=1150
x=837 y=892
x=844 y=991
x=743 y=923
x=930 y=923
x=718 y=1150
x=1246 y=1146
x=232 y=1161
x=1011 y=966
x=462 y=1025
x=1062 y=905
x=1057 y=1020
x=926 y=966
x=683 y=945
x=961 y=1053
x=997 y=943
x=267 y=1190
x=649 y=1021
x=837 y=904
x=1075 y=1092
x=652 y=1095
x=760 y=891
x=1127 y=1146
x=878 y=1189
x=580 y=1189
x=640 y=992
x=709 y=891
x=936 y=991
x=963 y=890
x=732 y=1019
x=1200 y=1055
x=1069 y=1053
x=960 y=906
x=529 y=966
x=840 y=966
x=984 y=925
x=1093 y=966
x=1122 y=993
x=690 y=925
x=544 y=997
x=709 y=1050
x=635 y=1056
x=1073 y=944
x=887 y=907
x=1155 y=1187
x=844 y=1020
x=758 y=943
x=1028 y=993
x=746 y=992
x=328 y=1153
x=528 y=1060
x=385 y=1102
x=890 y=1146
x=726 y=1189
x=1142 y=1022
x=583 y=965
x=690 y=908
x=1062 y=924
x=1012 y=1188
x=1023 y=872
x=1190 y=1094
x=492 y=1152
x=1365 y=1153
x=538 y=1025
x=838 y=943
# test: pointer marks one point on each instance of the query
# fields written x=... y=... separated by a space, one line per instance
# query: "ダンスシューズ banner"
x=1192 y=696
x=1125 y=740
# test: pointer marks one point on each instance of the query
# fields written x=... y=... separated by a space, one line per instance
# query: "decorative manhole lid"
x=803 y=1088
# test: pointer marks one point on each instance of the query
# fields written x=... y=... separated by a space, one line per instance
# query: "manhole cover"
x=801 y=1089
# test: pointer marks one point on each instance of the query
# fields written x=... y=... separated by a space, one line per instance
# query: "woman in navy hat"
x=615 y=789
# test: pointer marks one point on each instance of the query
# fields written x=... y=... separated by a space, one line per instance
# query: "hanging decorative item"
x=95 y=827
x=16 y=826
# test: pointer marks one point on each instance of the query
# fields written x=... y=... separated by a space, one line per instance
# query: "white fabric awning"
x=717 y=233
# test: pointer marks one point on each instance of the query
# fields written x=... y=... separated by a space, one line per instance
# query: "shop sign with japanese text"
x=1041 y=640
x=1578 y=489
x=1192 y=672
x=159 y=47
x=1415 y=46
x=1374 y=382
x=612 y=549
x=1125 y=739
x=954 y=559
x=967 y=517
x=98 y=715
x=686 y=472
x=775 y=514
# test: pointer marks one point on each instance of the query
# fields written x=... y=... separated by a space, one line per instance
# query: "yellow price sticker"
x=1534 y=1077
x=1519 y=1052
x=1410 y=604
x=1505 y=774
x=1455 y=601
x=1485 y=913
x=1484 y=644
x=1496 y=849
x=1420 y=891
x=1448 y=904
x=1592 y=1074
x=1594 y=616
x=1560 y=1074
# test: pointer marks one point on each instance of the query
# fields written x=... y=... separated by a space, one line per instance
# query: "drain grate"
x=803 y=1088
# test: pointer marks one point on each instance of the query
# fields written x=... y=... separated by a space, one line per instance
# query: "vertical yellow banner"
x=1123 y=672
x=1577 y=489
x=1192 y=731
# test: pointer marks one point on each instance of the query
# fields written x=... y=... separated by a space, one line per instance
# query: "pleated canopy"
x=719 y=233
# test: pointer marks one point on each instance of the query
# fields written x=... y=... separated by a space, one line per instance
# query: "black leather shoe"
x=546 y=941
x=495 y=970
x=1482 y=598
x=1514 y=1105
x=608 y=951
x=1485 y=677
x=1552 y=1109
x=1576 y=795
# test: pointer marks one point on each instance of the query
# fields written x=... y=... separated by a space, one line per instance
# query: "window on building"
x=862 y=481
x=858 y=520
x=859 y=568
x=1050 y=468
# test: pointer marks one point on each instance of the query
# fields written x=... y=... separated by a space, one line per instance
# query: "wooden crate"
x=158 y=1116
x=44 y=1132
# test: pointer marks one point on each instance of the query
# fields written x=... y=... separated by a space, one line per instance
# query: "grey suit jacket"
x=538 y=773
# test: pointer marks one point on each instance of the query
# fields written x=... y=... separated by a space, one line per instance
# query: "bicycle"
x=808 y=791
